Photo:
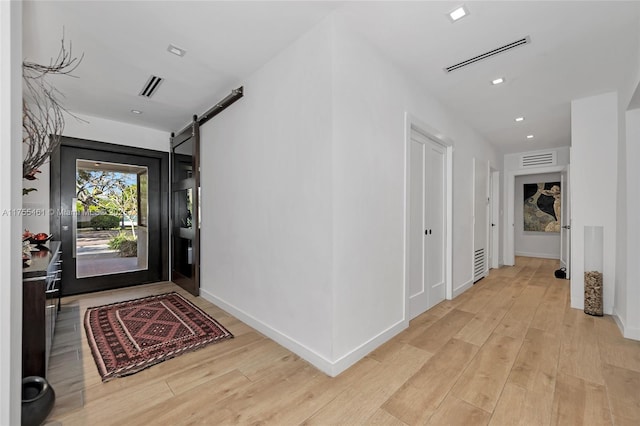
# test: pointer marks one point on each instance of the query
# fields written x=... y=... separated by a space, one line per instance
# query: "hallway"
x=508 y=351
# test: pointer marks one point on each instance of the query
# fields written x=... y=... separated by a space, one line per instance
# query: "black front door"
x=112 y=215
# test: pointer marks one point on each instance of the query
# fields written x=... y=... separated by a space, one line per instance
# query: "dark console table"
x=40 y=291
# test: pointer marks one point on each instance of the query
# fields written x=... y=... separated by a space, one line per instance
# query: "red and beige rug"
x=127 y=337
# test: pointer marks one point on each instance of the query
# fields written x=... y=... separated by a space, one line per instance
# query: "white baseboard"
x=631 y=333
x=323 y=364
x=367 y=347
x=627 y=332
x=577 y=302
x=539 y=255
x=461 y=289
x=327 y=366
x=618 y=321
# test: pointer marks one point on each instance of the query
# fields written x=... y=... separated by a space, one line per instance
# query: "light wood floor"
x=508 y=351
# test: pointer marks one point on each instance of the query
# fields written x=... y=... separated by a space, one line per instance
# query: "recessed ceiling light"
x=529 y=136
x=458 y=13
x=176 y=50
x=135 y=111
x=498 y=80
x=519 y=119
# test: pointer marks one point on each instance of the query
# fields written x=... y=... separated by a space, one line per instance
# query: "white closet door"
x=436 y=223
x=418 y=295
x=426 y=239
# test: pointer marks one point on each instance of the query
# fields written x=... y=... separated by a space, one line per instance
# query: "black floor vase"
x=38 y=398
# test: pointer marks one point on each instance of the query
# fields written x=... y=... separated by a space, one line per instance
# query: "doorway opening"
x=537 y=223
x=562 y=226
x=111 y=210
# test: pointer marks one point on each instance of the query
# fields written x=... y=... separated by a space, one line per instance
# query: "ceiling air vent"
x=489 y=54
x=151 y=86
x=538 y=159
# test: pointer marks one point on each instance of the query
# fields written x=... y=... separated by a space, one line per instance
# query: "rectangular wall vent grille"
x=151 y=86
x=489 y=54
x=479 y=264
x=538 y=159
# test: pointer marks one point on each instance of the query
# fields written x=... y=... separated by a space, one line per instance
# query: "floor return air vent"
x=479 y=264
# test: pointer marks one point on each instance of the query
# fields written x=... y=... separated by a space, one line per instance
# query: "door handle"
x=427 y=232
x=74 y=225
x=493 y=224
x=566 y=227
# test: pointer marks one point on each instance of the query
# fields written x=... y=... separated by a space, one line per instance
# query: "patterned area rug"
x=127 y=337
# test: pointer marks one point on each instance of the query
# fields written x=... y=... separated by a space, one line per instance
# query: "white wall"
x=303 y=197
x=96 y=129
x=368 y=178
x=266 y=201
x=631 y=78
x=594 y=159
x=626 y=307
x=10 y=200
x=627 y=301
x=534 y=244
x=481 y=211
x=110 y=131
x=623 y=228
x=370 y=99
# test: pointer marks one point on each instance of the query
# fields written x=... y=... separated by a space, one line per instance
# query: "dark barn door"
x=185 y=209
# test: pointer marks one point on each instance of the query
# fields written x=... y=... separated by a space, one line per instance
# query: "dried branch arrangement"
x=42 y=112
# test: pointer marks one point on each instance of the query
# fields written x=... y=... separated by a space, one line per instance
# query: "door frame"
x=494 y=225
x=565 y=221
x=163 y=157
x=509 y=256
x=412 y=123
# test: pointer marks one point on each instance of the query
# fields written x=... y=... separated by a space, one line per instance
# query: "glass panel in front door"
x=111 y=219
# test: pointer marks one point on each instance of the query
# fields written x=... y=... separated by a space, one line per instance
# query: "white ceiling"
x=124 y=42
x=577 y=49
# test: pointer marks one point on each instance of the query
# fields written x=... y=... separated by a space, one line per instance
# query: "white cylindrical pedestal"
x=593 y=267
